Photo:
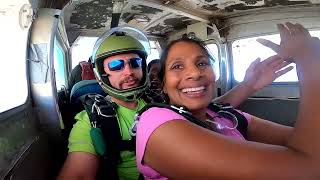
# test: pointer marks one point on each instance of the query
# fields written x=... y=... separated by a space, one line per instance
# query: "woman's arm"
x=264 y=131
x=258 y=75
x=181 y=150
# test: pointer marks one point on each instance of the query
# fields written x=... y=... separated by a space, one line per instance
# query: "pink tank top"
x=150 y=121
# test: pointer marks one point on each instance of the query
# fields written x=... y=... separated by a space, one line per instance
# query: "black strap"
x=102 y=113
x=242 y=121
x=180 y=110
x=95 y=106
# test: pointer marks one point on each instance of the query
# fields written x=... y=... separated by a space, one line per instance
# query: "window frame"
x=287 y=90
x=234 y=81
x=212 y=41
x=59 y=40
x=72 y=47
x=157 y=47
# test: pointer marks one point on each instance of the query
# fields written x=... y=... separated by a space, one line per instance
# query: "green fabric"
x=115 y=44
x=80 y=140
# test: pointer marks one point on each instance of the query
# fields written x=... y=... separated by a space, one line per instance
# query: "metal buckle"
x=95 y=106
x=222 y=113
x=181 y=109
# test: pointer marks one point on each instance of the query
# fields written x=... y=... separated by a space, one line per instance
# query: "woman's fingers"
x=283 y=71
x=255 y=62
x=272 y=59
x=292 y=28
x=275 y=47
x=302 y=29
x=274 y=64
x=284 y=32
x=278 y=63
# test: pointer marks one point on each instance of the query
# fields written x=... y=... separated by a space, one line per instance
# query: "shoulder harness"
x=223 y=110
x=105 y=133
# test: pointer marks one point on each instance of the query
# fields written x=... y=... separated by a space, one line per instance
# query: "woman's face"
x=189 y=78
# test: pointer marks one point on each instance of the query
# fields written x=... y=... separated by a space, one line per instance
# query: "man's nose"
x=127 y=69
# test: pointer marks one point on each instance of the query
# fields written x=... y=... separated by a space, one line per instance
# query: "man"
x=120 y=68
x=153 y=70
x=154 y=92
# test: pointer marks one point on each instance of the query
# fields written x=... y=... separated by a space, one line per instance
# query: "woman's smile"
x=194 y=91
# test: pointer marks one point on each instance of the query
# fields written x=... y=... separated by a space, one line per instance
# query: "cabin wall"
x=31 y=143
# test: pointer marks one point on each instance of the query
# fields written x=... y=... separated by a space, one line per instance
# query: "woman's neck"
x=200 y=114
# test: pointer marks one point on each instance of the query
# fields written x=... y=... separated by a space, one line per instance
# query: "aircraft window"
x=154 y=51
x=81 y=49
x=13 y=77
x=59 y=61
x=215 y=52
x=245 y=51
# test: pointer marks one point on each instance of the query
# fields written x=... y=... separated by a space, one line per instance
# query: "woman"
x=170 y=146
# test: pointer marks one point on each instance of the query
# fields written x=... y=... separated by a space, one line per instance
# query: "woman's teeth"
x=196 y=89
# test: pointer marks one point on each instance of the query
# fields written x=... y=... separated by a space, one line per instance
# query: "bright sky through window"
x=247 y=50
x=14 y=89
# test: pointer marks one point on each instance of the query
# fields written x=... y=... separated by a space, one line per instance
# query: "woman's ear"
x=165 y=94
x=163 y=85
x=165 y=90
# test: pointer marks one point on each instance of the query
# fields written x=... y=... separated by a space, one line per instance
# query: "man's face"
x=153 y=75
x=154 y=70
x=129 y=76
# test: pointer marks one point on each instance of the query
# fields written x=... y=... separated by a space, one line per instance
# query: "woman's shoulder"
x=152 y=110
x=160 y=113
x=154 y=117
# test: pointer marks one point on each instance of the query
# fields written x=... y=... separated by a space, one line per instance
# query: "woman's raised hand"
x=296 y=43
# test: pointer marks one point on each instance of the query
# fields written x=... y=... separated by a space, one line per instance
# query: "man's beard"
x=128 y=79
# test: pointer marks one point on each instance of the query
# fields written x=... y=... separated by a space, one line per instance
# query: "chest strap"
x=217 y=108
x=242 y=126
x=103 y=117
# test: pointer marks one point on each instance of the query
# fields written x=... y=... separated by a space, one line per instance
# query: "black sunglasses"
x=118 y=64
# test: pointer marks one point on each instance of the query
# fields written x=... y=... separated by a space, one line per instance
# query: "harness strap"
x=102 y=115
x=128 y=145
x=97 y=109
x=242 y=121
x=180 y=110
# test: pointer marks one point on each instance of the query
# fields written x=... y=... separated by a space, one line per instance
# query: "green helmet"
x=117 y=41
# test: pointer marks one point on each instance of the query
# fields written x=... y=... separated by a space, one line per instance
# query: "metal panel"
x=35 y=162
x=43 y=85
x=264 y=22
x=44 y=93
x=16 y=132
x=282 y=111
